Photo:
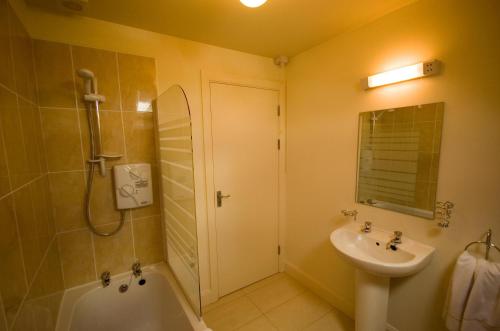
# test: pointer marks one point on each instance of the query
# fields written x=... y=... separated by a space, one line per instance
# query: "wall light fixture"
x=253 y=3
x=402 y=74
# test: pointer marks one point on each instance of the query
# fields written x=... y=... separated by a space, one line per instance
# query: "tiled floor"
x=275 y=303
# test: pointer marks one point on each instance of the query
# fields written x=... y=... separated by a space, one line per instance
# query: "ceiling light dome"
x=253 y=3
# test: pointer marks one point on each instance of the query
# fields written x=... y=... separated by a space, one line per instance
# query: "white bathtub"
x=158 y=305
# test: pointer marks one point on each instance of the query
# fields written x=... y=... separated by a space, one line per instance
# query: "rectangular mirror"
x=398 y=158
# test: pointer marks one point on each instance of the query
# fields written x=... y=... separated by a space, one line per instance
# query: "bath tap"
x=105 y=278
x=352 y=213
x=396 y=240
x=367 y=227
x=136 y=269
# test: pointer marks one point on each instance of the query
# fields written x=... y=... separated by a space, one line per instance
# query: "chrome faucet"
x=105 y=278
x=136 y=269
x=396 y=240
x=367 y=227
x=353 y=213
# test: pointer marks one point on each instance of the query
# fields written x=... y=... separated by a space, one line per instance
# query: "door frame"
x=211 y=294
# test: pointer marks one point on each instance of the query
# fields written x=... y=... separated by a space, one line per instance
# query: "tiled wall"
x=128 y=83
x=31 y=282
x=45 y=245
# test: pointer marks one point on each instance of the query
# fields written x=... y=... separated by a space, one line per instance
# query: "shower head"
x=85 y=73
x=90 y=80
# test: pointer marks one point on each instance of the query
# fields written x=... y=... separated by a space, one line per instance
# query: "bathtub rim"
x=72 y=295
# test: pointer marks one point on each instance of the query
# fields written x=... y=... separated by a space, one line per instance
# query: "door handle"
x=220 y=197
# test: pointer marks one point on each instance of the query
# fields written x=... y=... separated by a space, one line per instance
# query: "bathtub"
x=158 y=305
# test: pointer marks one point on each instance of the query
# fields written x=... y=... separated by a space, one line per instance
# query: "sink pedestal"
x=372 y=298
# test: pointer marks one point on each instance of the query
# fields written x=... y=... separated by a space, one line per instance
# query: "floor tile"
x=222 y=301
x=298 y=313
x=275 y=293
x=264 y=282
x=232 y=315
x=259 y=324
x=333 y=321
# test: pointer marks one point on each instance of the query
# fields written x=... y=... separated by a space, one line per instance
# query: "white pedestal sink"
x=375 y=265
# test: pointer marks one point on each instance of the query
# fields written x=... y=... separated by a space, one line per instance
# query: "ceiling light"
x=402 y=74
x=253 y=3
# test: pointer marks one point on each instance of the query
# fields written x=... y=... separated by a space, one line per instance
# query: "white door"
x=245 y=129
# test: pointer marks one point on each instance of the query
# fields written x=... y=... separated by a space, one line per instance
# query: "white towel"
x=482 y=312
x=458 y=291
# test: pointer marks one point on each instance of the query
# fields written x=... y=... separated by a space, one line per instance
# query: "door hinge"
x=279 y=250
x=279 y=110
x=279 y=144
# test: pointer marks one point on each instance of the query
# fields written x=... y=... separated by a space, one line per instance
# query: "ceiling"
x=279 y=27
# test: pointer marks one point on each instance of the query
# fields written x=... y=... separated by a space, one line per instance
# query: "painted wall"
x=324 y=99
x=31 y=282
x=178 y=61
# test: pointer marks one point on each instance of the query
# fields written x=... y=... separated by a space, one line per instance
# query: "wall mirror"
x=398 y=158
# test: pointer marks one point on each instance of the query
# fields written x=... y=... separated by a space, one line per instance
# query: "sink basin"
x=367 y=251
x=375 y=265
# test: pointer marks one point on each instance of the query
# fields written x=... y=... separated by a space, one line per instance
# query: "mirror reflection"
x=398 y=158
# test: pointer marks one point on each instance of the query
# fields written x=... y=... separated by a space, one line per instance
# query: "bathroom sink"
x=368 y=251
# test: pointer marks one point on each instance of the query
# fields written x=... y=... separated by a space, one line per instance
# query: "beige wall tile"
x=22 y=50
x=3 y=321
x=104 y=65
x=4 y=171
x=139 y=137
x=31 y=134
x=10 y=120
x=28 y=231
x=77 y=257
x=112 y=138
x=114 y=254
x=103 y=200
x=137 y=81
x=42 y=207
x=40 y=313
x=62 y=139
x=49 y=279
x=54 y=74
x=7 y=72
x=12 y=275
x=38 y=134
x=66 y=193
x=148 y=239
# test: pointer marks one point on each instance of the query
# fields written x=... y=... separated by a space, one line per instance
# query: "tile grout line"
x=117 y=67
x=44 y=147
x=46 y=253
x=5 y=155
x=22 y=186
x=60 y=264
x=3 y=314
x=317 y=319
x=85 y=228
x=265 y=314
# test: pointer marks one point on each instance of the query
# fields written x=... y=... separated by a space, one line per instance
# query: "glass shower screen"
x=177 y=182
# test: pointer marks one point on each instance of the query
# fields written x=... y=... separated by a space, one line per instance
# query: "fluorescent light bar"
x=402 y=74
